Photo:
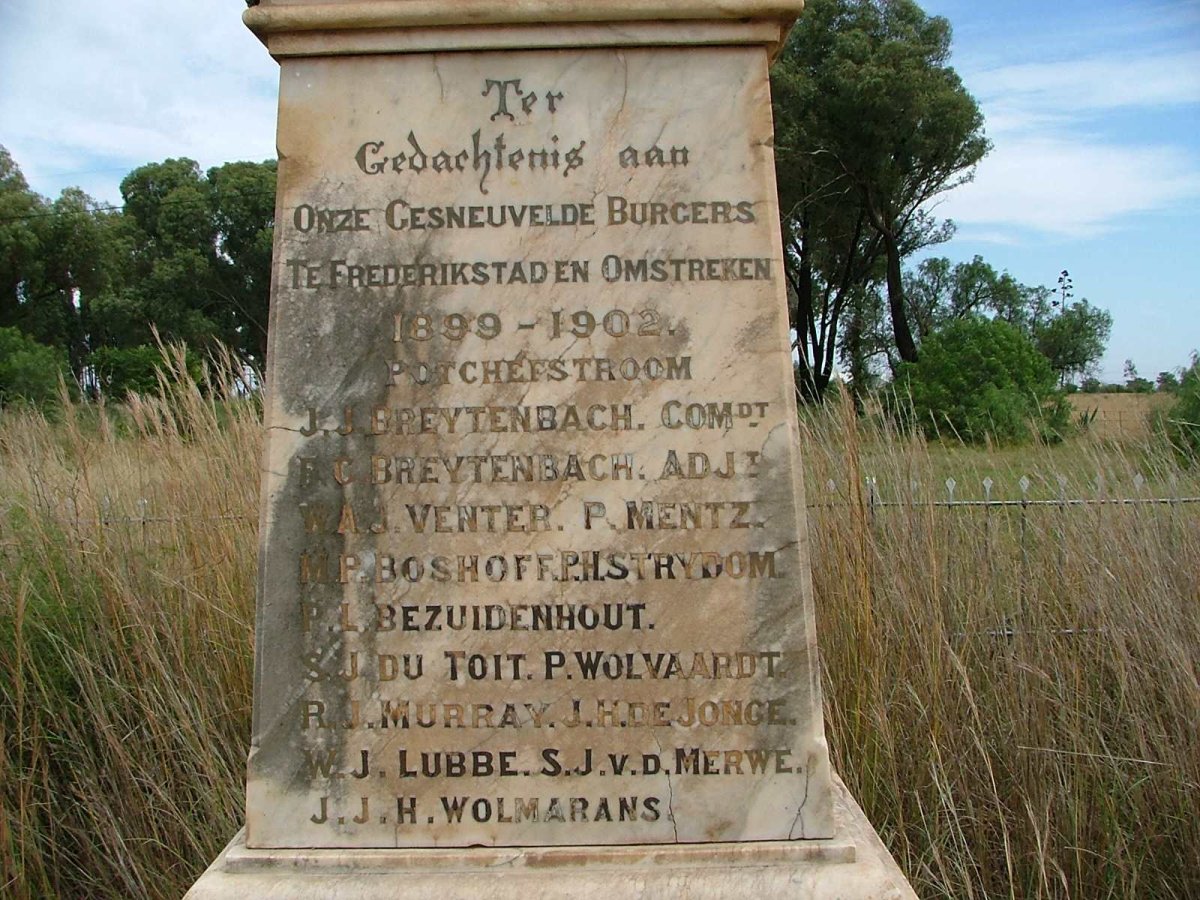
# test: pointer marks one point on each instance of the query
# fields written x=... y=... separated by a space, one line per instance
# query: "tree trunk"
x=905 y=345
x=808 y=383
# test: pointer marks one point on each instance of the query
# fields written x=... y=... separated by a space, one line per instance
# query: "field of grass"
x=1011 y=691
x=1119 y=416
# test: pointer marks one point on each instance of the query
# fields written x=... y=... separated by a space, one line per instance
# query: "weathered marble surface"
x=524 y=37
x=331 y=16
x=673 y=504
x=532 y=511
x=855 y=866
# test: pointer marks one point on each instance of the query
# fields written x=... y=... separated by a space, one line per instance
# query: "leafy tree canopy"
x=1071 y=334
x=202 y=252
x=29 y=372
x=871 y=124
x=188 y=257
x=980 y=380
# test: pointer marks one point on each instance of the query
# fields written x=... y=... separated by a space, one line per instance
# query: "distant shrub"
x=1181 y=422
x=982 y=380
x=121 y=371
x=1085 y=419
x=29 y=372
x=124 y=370
x=1167 y=382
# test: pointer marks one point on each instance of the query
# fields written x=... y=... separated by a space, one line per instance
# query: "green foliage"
x=1182 y=420
x=871 y=123
x=19 y=243
x=56 y=259
x=1135 y=383
x=202 y=252
x=1167 y=382
x=187 y=258
x=124 y=370
x=244 y=213
x=938 y=292
x=29 y=372
x=981 y=380
x=1072 y=336
x=1073 y=340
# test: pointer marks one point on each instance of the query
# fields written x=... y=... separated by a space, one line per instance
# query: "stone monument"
x=534 y=609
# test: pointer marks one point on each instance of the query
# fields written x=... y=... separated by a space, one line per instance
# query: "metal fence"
x=830 y=495
x=876 y=497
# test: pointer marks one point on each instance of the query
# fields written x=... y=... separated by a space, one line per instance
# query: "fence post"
x=142 y=504
x=987 y=528
x=1176 y=496
x=1062 y=525
x=1023 y=598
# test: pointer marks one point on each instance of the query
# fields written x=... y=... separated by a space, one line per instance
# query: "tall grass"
x=125 y=648
x=1011 y=694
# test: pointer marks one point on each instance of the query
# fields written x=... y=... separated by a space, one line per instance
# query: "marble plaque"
x=534 y=566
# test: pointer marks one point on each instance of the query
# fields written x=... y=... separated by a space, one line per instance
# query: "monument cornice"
x=271 y=18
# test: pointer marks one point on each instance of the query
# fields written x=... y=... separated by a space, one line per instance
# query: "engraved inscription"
x=533 y=567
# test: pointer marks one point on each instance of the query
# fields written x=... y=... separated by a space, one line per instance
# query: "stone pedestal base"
x=853 y=866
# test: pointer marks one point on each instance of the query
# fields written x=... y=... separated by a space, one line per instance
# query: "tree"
x=174 y=250
x=1072 y=336
x=865 y=340
x=1182 y=420
x=871 y=124
x=981 y=379
x=1135 y=383
x=244 y=212
x=80 y=261
x=907 y=128
x=187 y=259
x=829 y=253
x=202 y=252
x=19 y=244
x=1074 y=339
x=56 y=259
x=1167 y=383
x=29 y=372
x=938 y=293
x=120 y=371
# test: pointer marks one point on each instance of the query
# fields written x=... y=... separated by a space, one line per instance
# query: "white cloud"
x=1106 y=82
x=1061 y=165
x=92 y=88
x=1070 y=187
x=105 y=85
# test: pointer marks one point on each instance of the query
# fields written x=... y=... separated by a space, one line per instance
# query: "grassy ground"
x=1011 y=692
x=1119 y=416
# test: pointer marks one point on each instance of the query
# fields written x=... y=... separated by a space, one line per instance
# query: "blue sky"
x=1093 y=108
x=1094 y=112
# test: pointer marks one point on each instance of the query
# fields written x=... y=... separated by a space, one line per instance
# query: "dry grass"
x=1119 y=416
x=124 y=650
x=1012 y=693
x=1012 y=696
